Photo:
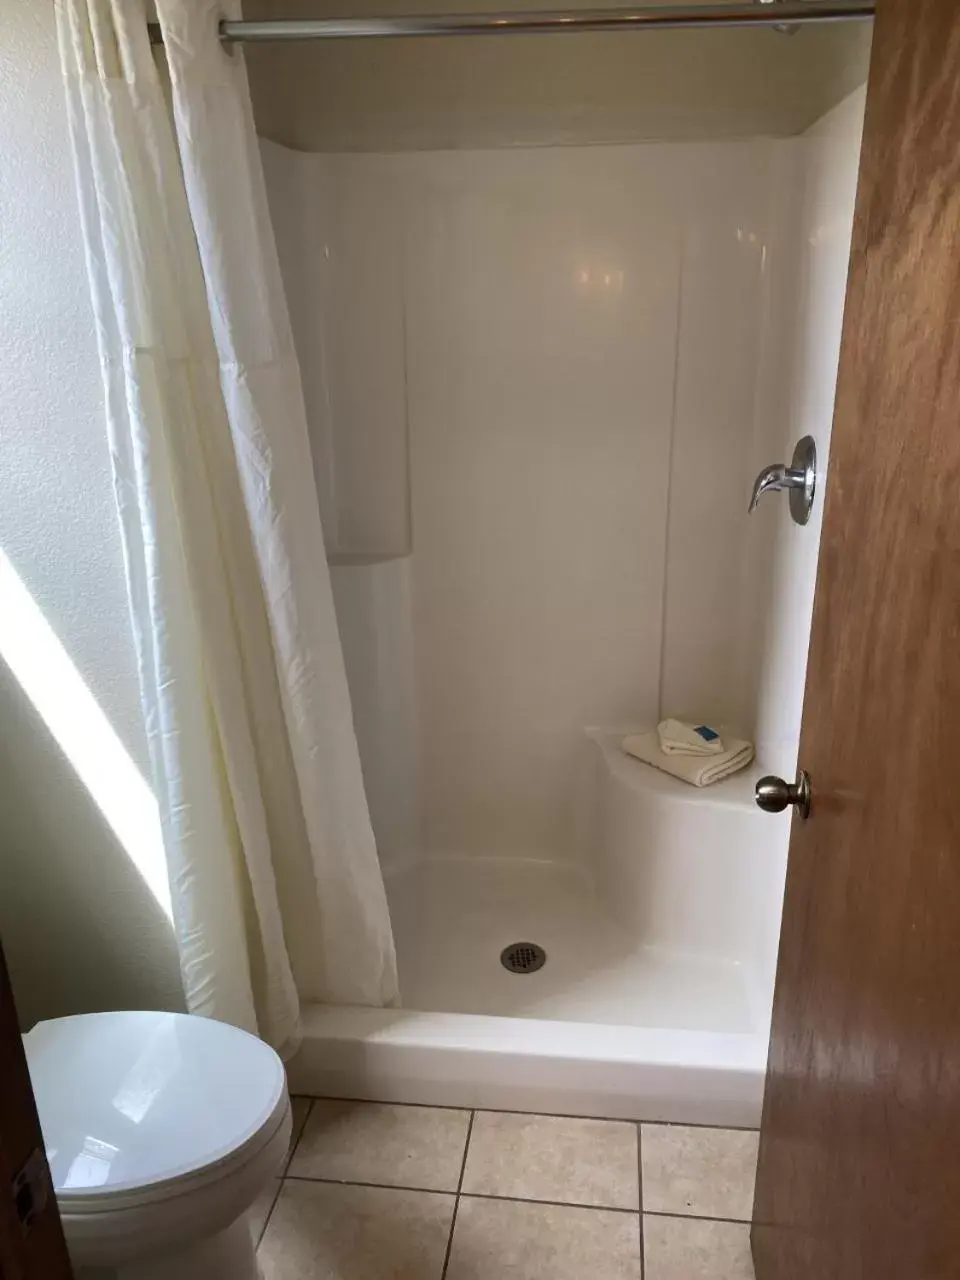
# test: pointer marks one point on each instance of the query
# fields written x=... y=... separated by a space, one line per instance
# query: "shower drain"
x=523 y=957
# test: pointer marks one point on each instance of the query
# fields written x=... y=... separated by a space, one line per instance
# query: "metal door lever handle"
x=773 y=479
x=800 y=478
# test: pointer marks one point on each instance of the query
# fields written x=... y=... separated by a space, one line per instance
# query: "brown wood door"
x=31 y=1240
x=859 y=1174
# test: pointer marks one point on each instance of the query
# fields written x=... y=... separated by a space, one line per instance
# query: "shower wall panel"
x=541 y=367
x=827 y=157
x=543 y=298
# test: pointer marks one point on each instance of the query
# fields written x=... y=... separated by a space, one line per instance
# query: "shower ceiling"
x=428 y=94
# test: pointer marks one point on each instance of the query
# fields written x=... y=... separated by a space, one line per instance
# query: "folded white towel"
x=680 y=738
x=699 y=771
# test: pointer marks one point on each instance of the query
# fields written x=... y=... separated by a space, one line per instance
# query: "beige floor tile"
x=696 y=1249
x=591 y=1162
x=379 y=1142
x=494 y=1239
x=322 y=1231
x=705 y=1173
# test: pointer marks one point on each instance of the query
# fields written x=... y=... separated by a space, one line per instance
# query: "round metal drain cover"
x=523 y=957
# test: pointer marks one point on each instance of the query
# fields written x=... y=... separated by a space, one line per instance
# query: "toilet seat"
x=137 y=1108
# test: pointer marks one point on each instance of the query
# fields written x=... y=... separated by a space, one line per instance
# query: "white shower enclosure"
x=541 y=381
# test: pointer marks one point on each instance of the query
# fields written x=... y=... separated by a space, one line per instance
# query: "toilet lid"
x=132 y=1100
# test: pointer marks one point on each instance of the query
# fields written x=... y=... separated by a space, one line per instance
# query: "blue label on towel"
x=706 y=733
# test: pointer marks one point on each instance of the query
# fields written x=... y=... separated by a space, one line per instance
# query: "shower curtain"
x=276 y=886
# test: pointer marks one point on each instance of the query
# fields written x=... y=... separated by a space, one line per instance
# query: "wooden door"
x=31 y=1240
x=859 y=1174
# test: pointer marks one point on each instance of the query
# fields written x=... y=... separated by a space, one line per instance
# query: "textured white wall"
x=81 y=931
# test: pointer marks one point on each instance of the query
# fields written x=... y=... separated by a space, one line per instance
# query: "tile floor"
x=376 y=1191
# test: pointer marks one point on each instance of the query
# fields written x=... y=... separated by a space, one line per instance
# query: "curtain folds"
x=276 y=885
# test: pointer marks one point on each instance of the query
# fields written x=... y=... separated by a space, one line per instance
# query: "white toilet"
x=161 y=1131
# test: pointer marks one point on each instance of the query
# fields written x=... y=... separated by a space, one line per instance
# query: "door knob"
x=773 y=794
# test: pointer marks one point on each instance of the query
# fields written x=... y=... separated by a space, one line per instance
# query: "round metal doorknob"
x=773 y=794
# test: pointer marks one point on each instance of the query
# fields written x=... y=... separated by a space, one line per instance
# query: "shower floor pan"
x=606 y=1027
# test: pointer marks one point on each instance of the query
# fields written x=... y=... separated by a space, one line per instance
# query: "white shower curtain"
x=276 y=887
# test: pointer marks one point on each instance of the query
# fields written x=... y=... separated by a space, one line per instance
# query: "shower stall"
x=548 y=338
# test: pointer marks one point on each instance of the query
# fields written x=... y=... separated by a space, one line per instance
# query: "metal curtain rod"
x=761 y=13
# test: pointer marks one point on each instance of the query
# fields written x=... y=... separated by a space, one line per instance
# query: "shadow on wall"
x=81 y=930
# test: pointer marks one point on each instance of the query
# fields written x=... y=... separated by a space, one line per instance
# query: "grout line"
x=382 y=1102
x=266 y=1221
x=456 y=1203
x=556 y=1204
x=296 y=1136
x=469 y=1195
x=466 y=1149
x=697 y=1217
x=693 y=1124
x=549 y=1115
x=643 y=1260
x=373 y=1186
x=488 y=1195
